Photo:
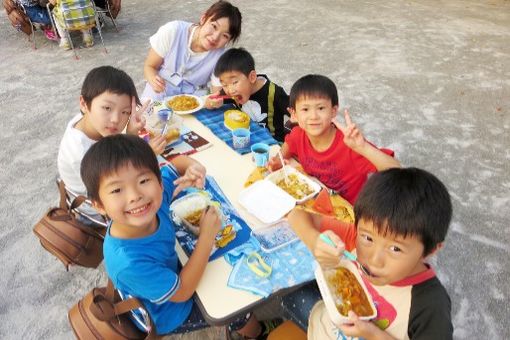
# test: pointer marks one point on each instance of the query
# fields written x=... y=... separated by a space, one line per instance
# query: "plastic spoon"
x=285 y=174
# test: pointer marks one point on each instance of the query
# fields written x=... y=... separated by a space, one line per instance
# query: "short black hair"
x=235 y=59
x=107 y=79
x=224 y=9
x=110 y=154
x=313 y=85
x=406 y=201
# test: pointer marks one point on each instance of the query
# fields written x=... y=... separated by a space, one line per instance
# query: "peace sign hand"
x=353 y=137
x=137 y=120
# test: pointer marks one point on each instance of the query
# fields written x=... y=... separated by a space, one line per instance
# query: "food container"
x=275 y=236
x=300 y=187
x=164 y=122
x=235 y=119
x=188 y=210
x=332 y=289
x=268 y=202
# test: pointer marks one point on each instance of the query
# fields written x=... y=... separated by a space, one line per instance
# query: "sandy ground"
x=429 y=79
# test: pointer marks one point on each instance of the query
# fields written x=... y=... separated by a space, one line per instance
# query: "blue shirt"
x=147 y=268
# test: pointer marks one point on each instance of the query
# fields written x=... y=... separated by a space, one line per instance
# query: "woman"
x=183 y=55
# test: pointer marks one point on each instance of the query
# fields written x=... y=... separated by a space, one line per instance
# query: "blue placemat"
x=187 y=240
x=213 y=119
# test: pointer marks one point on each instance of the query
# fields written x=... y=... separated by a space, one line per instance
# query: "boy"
x=108 y=99
x=123 y=180
x=337 y=155
x=402 y=217
x=264 y=101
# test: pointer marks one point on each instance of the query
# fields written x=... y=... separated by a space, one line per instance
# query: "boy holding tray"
x=402 y=217
x=337 y=155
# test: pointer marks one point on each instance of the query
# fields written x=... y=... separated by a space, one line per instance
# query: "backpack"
x=64 y=236
x=102 y=314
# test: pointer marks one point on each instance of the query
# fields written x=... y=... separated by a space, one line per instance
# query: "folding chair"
x=71 y=195
x=34 y=26
x=78 y=15
x=107 y=12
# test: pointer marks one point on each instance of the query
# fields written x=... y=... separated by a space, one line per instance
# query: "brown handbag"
x=19 y=20
x=67 y=238
x=102 y=314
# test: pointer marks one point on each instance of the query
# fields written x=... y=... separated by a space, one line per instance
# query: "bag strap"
x=104 y=307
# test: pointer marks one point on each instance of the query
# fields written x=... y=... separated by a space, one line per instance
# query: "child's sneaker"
x=266 y=327
x=50 y=35
x=64 y=44
x=88 y=40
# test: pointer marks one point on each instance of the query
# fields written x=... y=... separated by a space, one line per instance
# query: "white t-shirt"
x=73 y=147
x=162 y=40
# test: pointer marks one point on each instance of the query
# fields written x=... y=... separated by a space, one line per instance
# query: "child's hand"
x=213 y=103
x=158 y=144
x=362 y=329
x=353 y=137
x=274 y=163
x=210 y=224
x=194 y=176
x=137 y=120
x=157 y=83
x=327 y=255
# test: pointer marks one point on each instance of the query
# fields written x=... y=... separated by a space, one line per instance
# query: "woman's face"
x=213 y=34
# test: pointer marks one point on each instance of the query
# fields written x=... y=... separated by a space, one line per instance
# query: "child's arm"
x=354 y=139
x=193 y=269
x=306 y=226
x=191 y=171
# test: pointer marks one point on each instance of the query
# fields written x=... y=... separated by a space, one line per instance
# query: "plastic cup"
x=260 y=153
x=240 y=138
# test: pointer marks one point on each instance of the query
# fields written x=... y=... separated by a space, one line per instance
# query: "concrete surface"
x=430 y=79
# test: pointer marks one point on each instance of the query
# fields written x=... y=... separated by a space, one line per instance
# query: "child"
x=337 y=155
x=182 y=55
x=263 y=100
x=38 y=14
x=402 y=217
x=123 y=180
x=108 y=100
x=86 y=16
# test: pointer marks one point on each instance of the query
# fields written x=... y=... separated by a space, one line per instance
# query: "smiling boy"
x=337 y=155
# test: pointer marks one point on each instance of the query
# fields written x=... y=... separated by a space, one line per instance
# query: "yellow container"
x=235 y=119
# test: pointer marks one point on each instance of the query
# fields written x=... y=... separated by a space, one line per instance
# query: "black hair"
x=406 y=201
x=235 y=59
x=313 y=85
x=107 y=78
x=224 y=9
x=110 y=154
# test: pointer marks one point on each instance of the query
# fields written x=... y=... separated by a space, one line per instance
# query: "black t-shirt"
x=429 y=317
x=268 y=108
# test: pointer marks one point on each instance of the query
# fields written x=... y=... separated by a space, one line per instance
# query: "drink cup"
x=240 y=138
x=260 y=153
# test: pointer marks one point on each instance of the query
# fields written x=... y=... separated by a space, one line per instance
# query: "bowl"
x=235 y=119
x=188 y=210
x=334 y=284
